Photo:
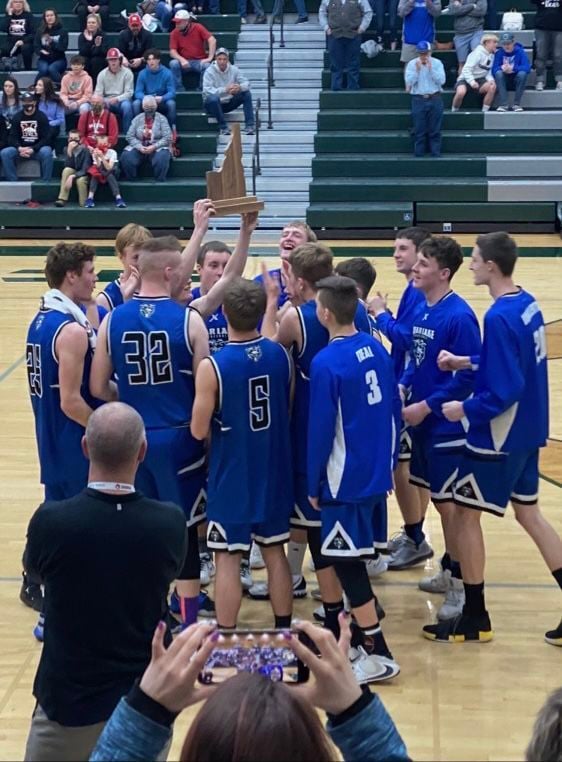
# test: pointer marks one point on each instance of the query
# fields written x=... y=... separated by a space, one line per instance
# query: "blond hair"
x=26 y=7
x=131 y=235
x=302 y=225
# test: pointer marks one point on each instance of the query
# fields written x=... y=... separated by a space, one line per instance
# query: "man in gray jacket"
x=344 y=21
x=468 y=25
x=115 y=84
x=225 y=89
x=148 y=138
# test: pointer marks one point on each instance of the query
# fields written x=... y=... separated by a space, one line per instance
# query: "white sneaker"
x=206 y=569
x=454 y=600
x=311 y=564
x=246 y=575
x=395 y=541
x=256 y=558
x=438 y=583
x=371 y=668
x=559 y=85
x=376 y=566
x=539 y=86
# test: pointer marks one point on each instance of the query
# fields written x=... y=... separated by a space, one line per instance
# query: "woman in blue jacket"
x=49 y=102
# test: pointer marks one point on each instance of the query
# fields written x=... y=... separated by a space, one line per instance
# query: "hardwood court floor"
x=449 y=702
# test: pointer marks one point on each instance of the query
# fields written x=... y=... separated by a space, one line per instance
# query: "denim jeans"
x=54 y=70
x=507 y=82
x=168 y=108
x=379 y=7
x=10 y=155
x=344 y=56
x=164 y=14
x=124 y=109
x=243 y=8
x=299 y=6
x=131 y=160
x=215 y=108
x=427 y=116
x=177 y=69
x=549 y=44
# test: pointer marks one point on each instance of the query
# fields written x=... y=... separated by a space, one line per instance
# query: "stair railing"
x=256 y=159
x=270 y=76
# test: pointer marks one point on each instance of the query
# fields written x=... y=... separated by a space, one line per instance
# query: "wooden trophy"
x=226 y=187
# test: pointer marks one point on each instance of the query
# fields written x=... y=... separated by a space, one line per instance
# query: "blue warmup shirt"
x=509 y=409
x=58 y=437
x=148 y=340
x=250 y=475
x=418 y=24
x=216 y=326
x=398 y=330
x=159 y=82
x=276 y=275
x=112 y=293
x=314 y=338
x=452 y=325
x=352 y=397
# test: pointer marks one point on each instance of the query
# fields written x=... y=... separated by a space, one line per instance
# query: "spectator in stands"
x=425 y=77
x=103 y=171
x=76 y=87
x=77 y=161
x=10 y=104
x=477 y=73
x=98 y=121
x=116 y=86
x=419 y=25
x=19 y=27
x=92 y=46
x=300 y=7
x=134 y=42
x=28 y=139
x=510 y=68
x=156 y=79
x=380 y=8
x=261 y=18
x=548 y=40
x=192 y=47
x=468 y=24
x=51 y=42
x=225 y=89
x=101 y=9
x=148 y=139
x=344 y=23
x=50 y=103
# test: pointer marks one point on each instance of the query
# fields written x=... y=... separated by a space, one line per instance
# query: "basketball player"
x=126 y=242
x=508 y=423
x=352 y=393
x=364 y=274
x=244 y=390
x=59 y=348
x=410 y=547
x=445 y=322
x=154 y=345
x=293 y=234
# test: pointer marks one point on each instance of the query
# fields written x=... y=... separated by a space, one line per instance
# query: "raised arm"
x=202 y=210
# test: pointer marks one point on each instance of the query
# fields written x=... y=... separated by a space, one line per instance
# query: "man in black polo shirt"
x=107 y=558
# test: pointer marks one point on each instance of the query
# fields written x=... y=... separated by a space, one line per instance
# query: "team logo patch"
x=253 y=353
x=215 y=534
x=147 y=310
x=467 y=490
x=418 y=351
x=39 y=321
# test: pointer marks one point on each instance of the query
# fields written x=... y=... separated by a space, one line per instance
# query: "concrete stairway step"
x=523 y=166
x=525 y=189
x=282 y=57
x=291 y=185
x=278 y=115
x=292 y=138
x=17 y=192
x=525 y=120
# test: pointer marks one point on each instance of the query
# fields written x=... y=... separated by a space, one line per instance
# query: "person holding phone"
x=425 y=77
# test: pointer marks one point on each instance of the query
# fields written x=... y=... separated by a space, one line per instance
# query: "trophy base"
x=241 y=205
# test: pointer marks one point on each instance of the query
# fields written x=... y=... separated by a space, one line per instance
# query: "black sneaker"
x=461 y=629
x=31 y=595
x=302 y=20
x=554 y=637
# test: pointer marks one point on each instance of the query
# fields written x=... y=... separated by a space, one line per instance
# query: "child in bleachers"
x=76 y=87
x=102 y=171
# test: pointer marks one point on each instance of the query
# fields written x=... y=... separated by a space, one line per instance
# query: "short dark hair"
x=339 y=295
x=500 y=248
x=446 y=251
x=361 y=271
x=63 y=258
x=154 y=52
x=415 y=234
x=218 y=246
x=243 y=717
x=78 y=60
x=311 y=262
x=244 y=304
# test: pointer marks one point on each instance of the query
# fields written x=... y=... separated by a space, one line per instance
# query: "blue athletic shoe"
x=119 y=203
x=89 y=203
x=39 y=627
x=206 y=606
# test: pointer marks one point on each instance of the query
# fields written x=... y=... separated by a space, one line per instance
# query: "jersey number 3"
x=260 y=413
x=374 y=395
x=151 y=356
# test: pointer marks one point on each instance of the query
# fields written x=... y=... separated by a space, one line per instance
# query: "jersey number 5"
x=374 y=395
x=260 y=414
x=151 y=356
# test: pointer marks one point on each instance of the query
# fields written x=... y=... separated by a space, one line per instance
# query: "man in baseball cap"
x=116 y=85
x=510 y=68
x=192 y=47
x=134 y=41
x=425 y=77
x=225 y=89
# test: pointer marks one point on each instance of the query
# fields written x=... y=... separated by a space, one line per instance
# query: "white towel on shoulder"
x=56 y=300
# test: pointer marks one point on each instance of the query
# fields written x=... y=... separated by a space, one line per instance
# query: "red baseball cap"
x=134 y=20
x=113 y=53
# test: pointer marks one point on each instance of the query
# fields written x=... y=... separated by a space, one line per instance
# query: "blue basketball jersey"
x=250 y=476
x=216 y=326
x=58 y=437
x=277 y=276
x=398 y=330
x=352 y=397
x=452 y=325
x=314 y=338
x=148 y=340
x=509 y=409
x=112 y=293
